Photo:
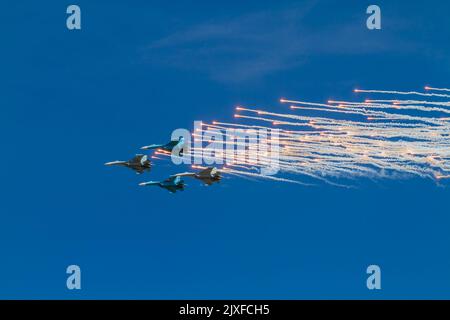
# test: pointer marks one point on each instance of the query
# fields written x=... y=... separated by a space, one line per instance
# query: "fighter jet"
x=139 y=163
x=208 y=176
x=179 y=144
x=172 y=184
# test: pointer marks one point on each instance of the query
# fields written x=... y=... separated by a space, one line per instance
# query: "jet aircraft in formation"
x=172 y=184
x=208 y=176
x=174 y=144
x=141 y=163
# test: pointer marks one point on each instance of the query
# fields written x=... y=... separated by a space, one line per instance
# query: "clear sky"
x=72 y=100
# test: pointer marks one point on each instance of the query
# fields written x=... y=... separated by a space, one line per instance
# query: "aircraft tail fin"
x=208 y=172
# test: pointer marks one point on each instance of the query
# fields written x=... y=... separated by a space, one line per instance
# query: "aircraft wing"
x=152 y=146
x=171 y=179
x=150 y=183
x=171 y=189
x=184 y=174
x=207 y=181
x=138 y=170
x=115 y=163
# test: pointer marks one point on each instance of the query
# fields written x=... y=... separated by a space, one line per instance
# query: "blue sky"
x=72 y=100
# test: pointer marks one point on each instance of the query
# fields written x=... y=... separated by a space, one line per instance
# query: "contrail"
x=338 y=141
x=437 y=89
x=397 y=105
x=305 y=102
x=404 y=93
x=228 y=170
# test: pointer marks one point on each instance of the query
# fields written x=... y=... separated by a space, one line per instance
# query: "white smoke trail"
x=392 y=138
x=404 y=93
x=437 y=89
